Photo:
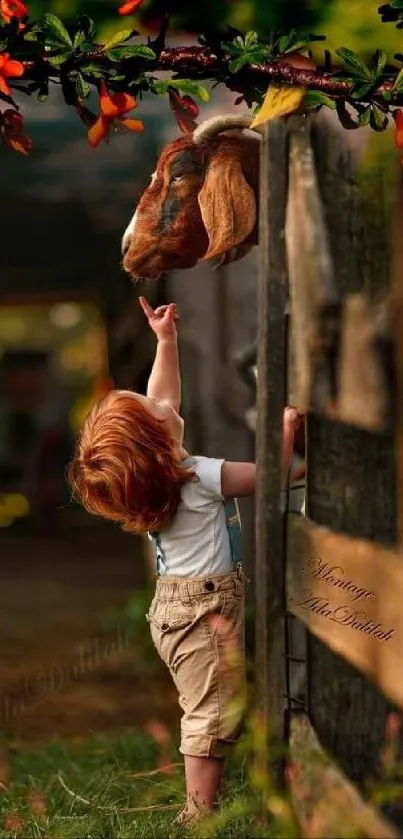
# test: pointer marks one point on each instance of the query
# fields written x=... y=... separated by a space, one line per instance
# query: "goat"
x=202 y=201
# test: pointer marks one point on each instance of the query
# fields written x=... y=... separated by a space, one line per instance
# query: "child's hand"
x=161 y=320
x=291 y=422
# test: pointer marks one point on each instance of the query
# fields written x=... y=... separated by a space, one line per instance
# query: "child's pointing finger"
x=148 y=311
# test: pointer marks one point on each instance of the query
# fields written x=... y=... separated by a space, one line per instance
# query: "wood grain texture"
x=314 y=297
x=336 y=366
x=349 y=593
x=351 y=489
x=397 y=292
x=325 y=802
x=271 y=390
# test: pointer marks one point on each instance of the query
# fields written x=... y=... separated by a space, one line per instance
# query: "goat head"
x=202 y=203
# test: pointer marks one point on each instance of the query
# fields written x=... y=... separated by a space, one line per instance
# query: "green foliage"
x=112 y=787
x=252 y=50
x=246 y=50
x=315 y=99
x=69 y=52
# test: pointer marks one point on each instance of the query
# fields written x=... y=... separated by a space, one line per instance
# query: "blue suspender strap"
x=160 y=565
x=160 y=562
x=234 y=530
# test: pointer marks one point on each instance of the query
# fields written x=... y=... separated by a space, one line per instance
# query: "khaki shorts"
x=197 y=626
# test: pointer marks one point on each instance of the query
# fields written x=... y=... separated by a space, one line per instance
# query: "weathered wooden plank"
x=336 y=368
x=363 y=397
x=397 y=292
x=314 y=298
x=351 y=480
x=351 y=489
x=326 y=804
x=271 y=388
x=349 y=593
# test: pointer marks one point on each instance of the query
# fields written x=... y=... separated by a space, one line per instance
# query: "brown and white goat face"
x=201 y=204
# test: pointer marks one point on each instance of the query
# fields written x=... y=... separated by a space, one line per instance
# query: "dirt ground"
x=60 y=674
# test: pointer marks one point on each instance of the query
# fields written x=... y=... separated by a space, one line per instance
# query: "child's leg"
x=203 y=778
x=197 y=628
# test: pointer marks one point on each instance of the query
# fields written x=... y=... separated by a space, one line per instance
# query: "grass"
x=129 y=786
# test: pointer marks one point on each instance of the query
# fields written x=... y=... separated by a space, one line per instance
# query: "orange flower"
x=12 y=8
x=12 y=132
x=129 y=7
x=112 y=108
x=8 y=69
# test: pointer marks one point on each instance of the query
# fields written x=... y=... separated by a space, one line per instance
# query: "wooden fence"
x=333 y=578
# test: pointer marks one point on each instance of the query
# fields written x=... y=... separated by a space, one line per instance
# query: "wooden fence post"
x=271 y=389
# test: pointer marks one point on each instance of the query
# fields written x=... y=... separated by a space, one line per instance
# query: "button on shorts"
x=197 y=626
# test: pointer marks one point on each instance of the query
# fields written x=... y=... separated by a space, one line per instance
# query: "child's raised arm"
x=239 y=479
x=164 y=383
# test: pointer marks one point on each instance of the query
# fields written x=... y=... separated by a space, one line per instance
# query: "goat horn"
x=225 y=122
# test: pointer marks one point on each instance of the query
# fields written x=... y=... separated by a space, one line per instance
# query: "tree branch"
x=203 y=63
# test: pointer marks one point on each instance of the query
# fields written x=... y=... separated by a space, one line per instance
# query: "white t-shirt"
x=196 y=542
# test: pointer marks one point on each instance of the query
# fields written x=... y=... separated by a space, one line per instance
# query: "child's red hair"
x=126 y=467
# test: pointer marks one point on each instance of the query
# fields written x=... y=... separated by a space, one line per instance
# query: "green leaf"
x=119 y=38
x=83 y=89
x=259 y=52
x=79 y=39
x=92 y=70
x=236 y=64
x=285 y=42
x=380 y=59
x=316 y=97
x=159 y=87
x=298 y=45
x=396 y=4
x=364 y=116
x=191 y=88
x=57 y=60
x=93 y=74
x=251 y=38
x=356 y=67
x=398 y=85
x=57 y=27
x=86 y=47
x=361 y=90
x=132 y=51
x=378 y=120
x=232 y=49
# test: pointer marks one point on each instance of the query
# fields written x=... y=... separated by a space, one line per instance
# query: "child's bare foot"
x=192 y=813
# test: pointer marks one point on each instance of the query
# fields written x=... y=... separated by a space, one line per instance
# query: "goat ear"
x=227 y=204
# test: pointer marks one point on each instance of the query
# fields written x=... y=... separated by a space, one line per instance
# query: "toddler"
x=130 y=466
